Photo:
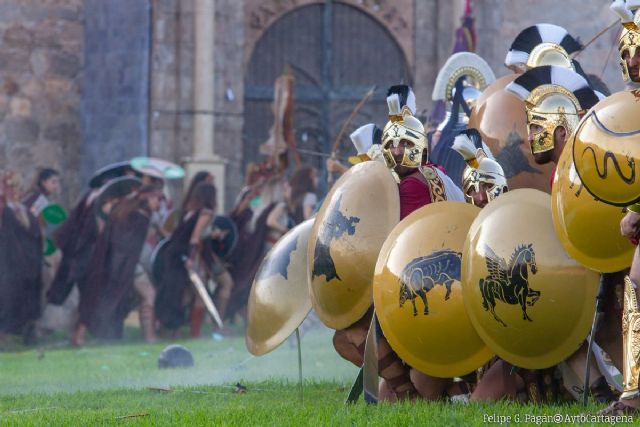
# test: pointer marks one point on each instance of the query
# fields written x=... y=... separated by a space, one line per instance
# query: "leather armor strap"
x=435 y=183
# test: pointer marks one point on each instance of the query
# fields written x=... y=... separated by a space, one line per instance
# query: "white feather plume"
x=393 y=102
x=362 y=138
x=632 y=5
x=551 y=33
x=411 y=101
x=622 y=10
x=453 y=64
x=516 y=57
x=487 y=151
x=518 y=90
x=464 y=146
x=567 y=78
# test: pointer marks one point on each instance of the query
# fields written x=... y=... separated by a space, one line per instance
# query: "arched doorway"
x=337 y=53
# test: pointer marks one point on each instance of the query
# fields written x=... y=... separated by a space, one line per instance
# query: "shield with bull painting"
x=418 y=296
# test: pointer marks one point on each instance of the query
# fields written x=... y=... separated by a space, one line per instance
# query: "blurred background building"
x=87 y=82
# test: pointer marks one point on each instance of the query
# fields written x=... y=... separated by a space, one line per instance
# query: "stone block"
x=20 y=107
x=18 y=36
x=4 y=106
x=63 y=64
x=63 y=132
x=46 y=34
x=14 y=60
x=20 y=129
x=39 y=62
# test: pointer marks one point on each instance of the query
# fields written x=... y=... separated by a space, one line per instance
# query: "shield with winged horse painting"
x=530 y=302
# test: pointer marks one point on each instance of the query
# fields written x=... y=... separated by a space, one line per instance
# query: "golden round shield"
x=417 y=293
x=279 y=300
x=589 y=230
x=501 y=119
x=606 y=149
x=530 y=302
x=355 y=218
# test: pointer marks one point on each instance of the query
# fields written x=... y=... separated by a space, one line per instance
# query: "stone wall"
x=66 y=92
x=115 y=100
x=41 y=60
x=499 y=22
x=172 y=91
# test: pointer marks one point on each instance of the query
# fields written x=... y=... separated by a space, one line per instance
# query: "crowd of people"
x=126 y=244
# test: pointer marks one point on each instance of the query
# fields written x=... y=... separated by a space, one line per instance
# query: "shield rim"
x=528 y=362
x=258 y=347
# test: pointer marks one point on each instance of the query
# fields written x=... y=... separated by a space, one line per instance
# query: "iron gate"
x=336 y=53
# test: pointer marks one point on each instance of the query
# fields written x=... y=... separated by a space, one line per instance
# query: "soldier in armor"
x=459 y=84
x=543 y=44
x=483 y=179
x=419 y=183
x=555 y=99
x=629 y=50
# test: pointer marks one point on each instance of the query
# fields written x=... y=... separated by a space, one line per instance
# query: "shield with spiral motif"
x=279 y=299
x=418 y=296
x=530 y=302
x=353 y=222
x=606 y=149
x=589 y=230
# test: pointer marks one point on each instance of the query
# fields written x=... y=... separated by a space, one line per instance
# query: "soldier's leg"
x=428 y=387
x=147 y=293
x=630 y=400
x=395 y=373
x=198 y=312
x=385 y=394
x=609 y=335
x=225 y=286
x=348 y=349
x=350 y=342
x=499 y=382
x=631 y=335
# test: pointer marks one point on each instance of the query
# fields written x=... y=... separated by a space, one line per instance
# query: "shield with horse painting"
x=530 y=302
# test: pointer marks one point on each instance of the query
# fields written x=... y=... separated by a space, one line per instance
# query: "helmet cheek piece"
x=394 y=133
x=551 y=106
x=495 y=191
x=470 y=182
x=629 y=42
x=542 y=141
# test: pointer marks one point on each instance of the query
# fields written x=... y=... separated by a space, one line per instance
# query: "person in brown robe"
x=109 y=284
x=20 y=263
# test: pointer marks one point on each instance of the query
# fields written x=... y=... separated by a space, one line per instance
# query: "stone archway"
x=337 y=52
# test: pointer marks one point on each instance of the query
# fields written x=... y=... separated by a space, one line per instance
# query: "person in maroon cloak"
x=77 y=236
x=109 y=284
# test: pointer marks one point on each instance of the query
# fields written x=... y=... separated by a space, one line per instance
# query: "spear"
x=347 y=123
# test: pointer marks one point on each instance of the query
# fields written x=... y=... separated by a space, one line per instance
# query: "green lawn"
x=99 y=384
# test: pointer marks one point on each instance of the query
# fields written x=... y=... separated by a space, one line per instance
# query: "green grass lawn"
x=101 y=383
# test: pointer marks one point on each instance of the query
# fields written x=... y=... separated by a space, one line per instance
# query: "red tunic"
x=414 y=194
